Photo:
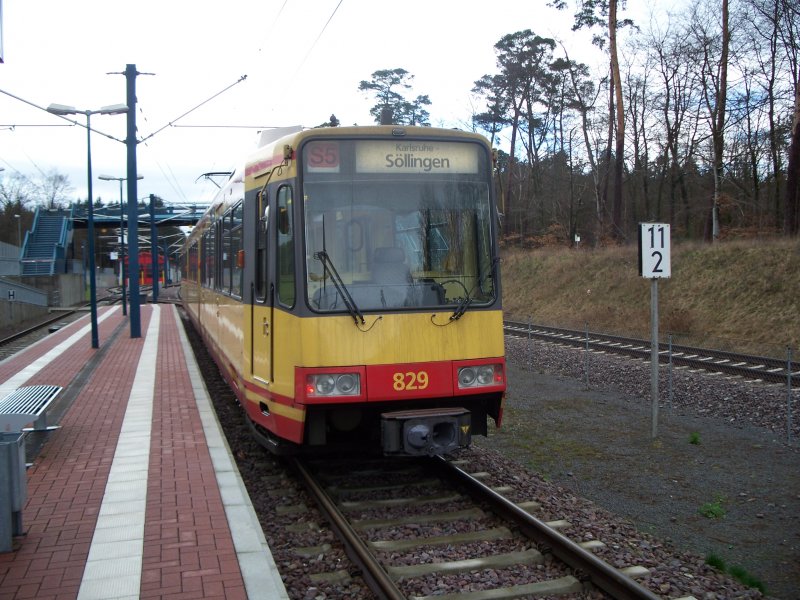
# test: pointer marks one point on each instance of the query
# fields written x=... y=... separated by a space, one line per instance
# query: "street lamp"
x=61 y=110
x=121 y=235
x=19 y=231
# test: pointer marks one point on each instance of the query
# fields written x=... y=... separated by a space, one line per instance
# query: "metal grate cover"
x=25 y=405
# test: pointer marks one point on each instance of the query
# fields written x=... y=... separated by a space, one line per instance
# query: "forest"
x=694 y=122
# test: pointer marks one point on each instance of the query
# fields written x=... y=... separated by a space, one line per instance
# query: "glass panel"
x=411 y=242
x=262 y=225
x=210 y=256
x=226 y=258
x=285 y=225
x=236 y=247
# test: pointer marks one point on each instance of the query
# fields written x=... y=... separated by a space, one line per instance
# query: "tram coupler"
x=425 y=432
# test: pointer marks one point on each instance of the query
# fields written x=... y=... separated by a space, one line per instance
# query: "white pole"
x=654 y=352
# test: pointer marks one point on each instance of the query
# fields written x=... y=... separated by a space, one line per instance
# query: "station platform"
x=136 y=494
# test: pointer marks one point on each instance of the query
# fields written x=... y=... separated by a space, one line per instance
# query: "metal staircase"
x=44 y=249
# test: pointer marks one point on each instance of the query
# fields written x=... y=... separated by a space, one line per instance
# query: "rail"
x=376 y=576
x=600 y=573
x=588 y=567
x=746 y=365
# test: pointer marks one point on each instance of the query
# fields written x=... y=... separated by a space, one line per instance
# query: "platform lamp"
x=62 y=110
x=121 y=235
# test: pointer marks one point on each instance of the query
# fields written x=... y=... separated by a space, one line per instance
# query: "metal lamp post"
x=121 y=235
x=116 y=109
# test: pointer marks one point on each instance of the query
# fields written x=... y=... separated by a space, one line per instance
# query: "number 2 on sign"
x=410 y=380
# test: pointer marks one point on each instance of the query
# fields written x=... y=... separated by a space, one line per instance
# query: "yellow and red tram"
x=346 y=282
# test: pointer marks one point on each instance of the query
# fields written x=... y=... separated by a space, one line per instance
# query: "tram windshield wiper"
x=352 y=308
x=464 y=303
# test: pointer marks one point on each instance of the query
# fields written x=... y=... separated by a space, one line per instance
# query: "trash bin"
x=13 y=487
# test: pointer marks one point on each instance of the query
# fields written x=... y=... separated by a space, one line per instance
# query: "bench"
x=27 y=405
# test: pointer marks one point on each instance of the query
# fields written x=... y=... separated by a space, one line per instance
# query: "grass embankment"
x=735 y=295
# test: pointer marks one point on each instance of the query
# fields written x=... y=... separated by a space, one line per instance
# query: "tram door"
x=275 y=279
x=261 y=320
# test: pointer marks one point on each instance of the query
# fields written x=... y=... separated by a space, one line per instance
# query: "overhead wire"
x=78 y=123
x=171 y=180
x=314 y=44
x=173 y=123
x=191 y=110
x=169 y=176
x=275 y=21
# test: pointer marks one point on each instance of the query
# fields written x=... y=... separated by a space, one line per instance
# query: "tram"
x=346 y=282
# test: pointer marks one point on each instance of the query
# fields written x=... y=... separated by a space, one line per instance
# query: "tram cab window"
x=399 y=238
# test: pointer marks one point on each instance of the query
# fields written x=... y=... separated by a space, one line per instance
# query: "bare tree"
x=54 y=189
x=16 y=190
x=790 y=36
x=616 y=77
x=584 y=98
x=712 y=42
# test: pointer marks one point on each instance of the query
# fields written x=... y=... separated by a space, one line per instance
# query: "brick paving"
x=188 y=545
x=188 y=548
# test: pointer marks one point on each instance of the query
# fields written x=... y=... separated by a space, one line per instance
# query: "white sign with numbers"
x=654 y=251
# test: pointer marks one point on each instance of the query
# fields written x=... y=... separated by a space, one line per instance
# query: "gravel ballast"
x=721 y=449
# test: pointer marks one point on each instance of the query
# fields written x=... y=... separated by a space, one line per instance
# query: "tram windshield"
x=397 y=225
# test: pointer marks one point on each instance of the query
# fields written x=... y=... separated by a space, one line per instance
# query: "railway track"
x=21 y=339
x=751 y=367
x=397 y=500
x=426 y=530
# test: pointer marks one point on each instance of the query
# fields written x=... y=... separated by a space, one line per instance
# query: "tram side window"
x=209 y=262
x=201 y=267
x=285 y=224
x=192 y=264
x=262 y=219
x=225 y=253
x=236 y=248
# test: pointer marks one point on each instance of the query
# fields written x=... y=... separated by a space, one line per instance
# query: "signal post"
x=654 y=264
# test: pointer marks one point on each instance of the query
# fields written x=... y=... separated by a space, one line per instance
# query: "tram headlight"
x=486 y=375
x=466 y=377
x=333 y=384
x=477 y=376
x=325 y=384
x=347 y=384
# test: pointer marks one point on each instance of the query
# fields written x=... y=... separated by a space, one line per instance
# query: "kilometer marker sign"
x=654 y=251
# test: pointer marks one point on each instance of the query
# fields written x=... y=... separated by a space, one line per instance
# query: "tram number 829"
x=410 y=380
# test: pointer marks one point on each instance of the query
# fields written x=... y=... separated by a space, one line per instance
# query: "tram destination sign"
x=409 y=156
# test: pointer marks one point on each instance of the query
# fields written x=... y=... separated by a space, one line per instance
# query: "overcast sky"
x=303 y=60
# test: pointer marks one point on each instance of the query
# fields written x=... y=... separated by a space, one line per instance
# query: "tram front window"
x=392 y=243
